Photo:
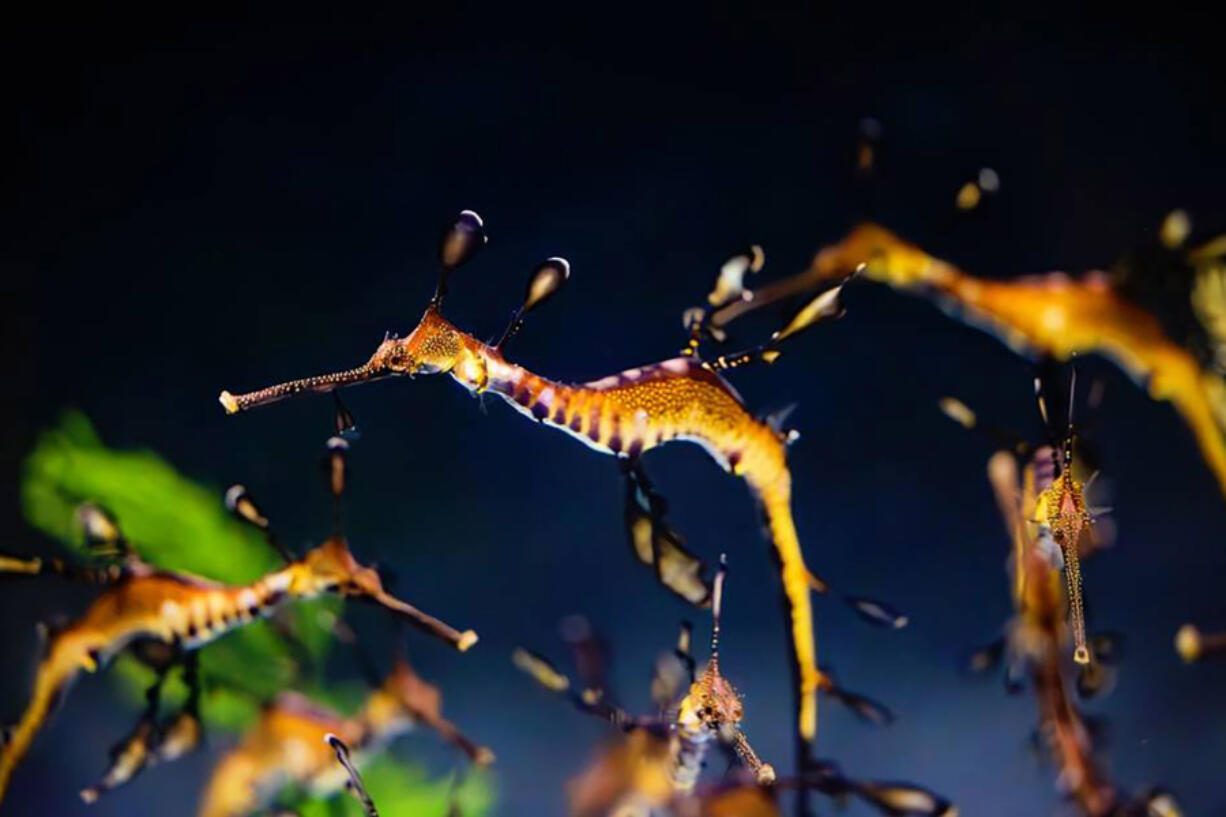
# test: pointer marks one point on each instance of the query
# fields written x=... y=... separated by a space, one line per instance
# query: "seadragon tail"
x=776 y=499
x=63 y=661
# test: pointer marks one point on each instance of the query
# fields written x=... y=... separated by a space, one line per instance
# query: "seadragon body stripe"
x=629 y=413
x=172 y=608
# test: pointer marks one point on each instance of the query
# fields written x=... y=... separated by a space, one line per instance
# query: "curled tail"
x=776 y=498
x=63 y=661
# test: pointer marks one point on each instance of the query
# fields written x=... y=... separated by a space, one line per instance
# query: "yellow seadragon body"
x=1053 y=315
x=189 y=612
x=1040 y=632
x=623 y=415
x=287 y=747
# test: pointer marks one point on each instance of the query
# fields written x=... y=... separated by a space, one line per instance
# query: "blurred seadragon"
x=653 y=767
x=1055 y=507
x=1047 y=618
x=286 y=747
x=625 y=415
x=165 y=616
x=1161 y=315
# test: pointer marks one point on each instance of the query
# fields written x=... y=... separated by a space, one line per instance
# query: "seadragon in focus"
x=624 y=415
x=653 y=767
x=172 y=615
x=1047 y=616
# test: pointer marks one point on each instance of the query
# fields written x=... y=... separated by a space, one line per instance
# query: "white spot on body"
x=247 y=599
x=469 y=373
x=278 y=582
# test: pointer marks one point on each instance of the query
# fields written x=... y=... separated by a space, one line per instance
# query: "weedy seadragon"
x=624 y=415
x=653 y=767
x=287 y=747
x=1037 y=639
x=170 y=615
x=1052 y=510
x=1174 y=347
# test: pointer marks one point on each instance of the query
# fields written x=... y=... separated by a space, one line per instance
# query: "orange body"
x=1051 y=315
x=286 y=747
x=655 y=770
x=1039 y=635
x=188 y=612
x=632 y=412
x=1061 y=509
x=623 y=415
x=166 y=607
x=1061 y=724
x=679 y=399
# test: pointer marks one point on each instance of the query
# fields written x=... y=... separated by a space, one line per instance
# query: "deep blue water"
x=225 y=203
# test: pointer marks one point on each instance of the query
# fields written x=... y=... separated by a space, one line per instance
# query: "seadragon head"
x=713 y=704
x=880 y=256
x=435 y=345
x=332 y=568
x=714 y=701
x=1062 y=508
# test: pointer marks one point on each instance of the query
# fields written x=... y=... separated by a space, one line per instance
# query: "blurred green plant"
x=178 y=524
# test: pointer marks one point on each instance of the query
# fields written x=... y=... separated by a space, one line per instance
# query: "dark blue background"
x=225 y=202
